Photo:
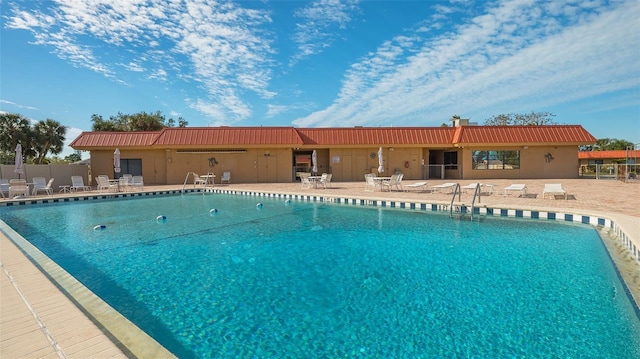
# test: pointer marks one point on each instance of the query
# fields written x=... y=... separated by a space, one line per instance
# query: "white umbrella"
x=314 y=162
x=116 y=161
x=19 y=169
x=380 y=161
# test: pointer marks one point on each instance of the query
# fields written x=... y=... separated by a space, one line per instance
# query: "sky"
x=323 y=63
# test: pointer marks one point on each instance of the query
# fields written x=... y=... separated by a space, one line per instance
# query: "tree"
x=141 y=121
x=14 y=129
x=74 y=157
x=49 y=137
x=527 y=119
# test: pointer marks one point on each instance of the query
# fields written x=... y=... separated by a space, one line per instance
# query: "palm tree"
x=50 y=136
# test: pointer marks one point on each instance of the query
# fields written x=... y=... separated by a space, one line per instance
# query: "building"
x=590 y=158
x=277 y=154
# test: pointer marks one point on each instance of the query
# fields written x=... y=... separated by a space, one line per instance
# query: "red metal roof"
x=194 y=137
x=377 y=136
x=229 y=136
x=617 y=154
x=565 y=134
x=114 y=139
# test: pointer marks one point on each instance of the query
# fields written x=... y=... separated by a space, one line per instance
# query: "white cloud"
x=317 y=28
x=218 y=44
x=17 y=105
x=513 y=55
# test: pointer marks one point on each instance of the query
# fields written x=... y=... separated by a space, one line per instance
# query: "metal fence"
x=619 y=171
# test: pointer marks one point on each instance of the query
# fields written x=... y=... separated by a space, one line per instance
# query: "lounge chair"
x=4 y=187
x=226 y=177
x=471 y=187
x=40 y=185
x=137 y=182
x=18 y=187
x=554 y=188
x=396 y=180
x=448 y=187
x=77 y=183
x=369 y=182
x=105 y=184
x=421 y=185
x=522 y=188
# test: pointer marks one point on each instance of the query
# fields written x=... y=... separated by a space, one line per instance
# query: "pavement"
x=42 y=319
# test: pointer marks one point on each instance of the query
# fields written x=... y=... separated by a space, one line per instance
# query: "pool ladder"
x=194 y=177
x=458 y=190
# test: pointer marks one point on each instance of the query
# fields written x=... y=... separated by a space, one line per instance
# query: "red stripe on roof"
x=115 y=139
x=376 y=136
x=525 y=134
x=617 y=154
x=228 y=136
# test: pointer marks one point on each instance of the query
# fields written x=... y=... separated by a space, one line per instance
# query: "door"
x=267 y=169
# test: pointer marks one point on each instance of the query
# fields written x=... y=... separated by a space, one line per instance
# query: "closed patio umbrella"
x=314 y=162
x=380 y=161
x=19 y=168
x=116 y=161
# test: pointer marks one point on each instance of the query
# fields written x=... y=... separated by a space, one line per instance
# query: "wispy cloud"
x=318 y=24
x=516 y=54
x=218 y=44
x=16 y=105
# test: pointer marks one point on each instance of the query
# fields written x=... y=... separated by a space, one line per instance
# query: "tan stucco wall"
x=532 y=163
x=262 y=165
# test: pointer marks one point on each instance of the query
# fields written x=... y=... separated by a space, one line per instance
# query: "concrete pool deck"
x=38 y=320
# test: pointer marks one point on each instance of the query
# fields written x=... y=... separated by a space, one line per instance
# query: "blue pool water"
x=306 y=279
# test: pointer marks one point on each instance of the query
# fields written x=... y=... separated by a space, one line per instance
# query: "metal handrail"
x=459 y=192
x=476 y=192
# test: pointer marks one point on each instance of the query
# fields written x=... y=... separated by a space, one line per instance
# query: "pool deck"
x=40 y=319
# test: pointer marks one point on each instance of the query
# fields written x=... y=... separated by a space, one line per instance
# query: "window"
x=451 y=160
x=496 y=160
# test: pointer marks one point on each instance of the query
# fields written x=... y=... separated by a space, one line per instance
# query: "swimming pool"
x=311 y=279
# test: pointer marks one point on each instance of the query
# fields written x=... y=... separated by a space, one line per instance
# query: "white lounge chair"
x=421 y=185
x=40 y=185
x=77 y=183
x=395 y=181
x=305 y=181
x=517 y=187
x=471 y=187
x=448 y=187
x=554 y=188
x=4 y=187
x=226 y=177
x=18 y=187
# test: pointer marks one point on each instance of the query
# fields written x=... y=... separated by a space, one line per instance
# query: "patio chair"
x=369 y=182
x=137 y=182
x=396 y=180
x=471 y=187
x=77 y=182
x=304 y=179
x=124 y=183
x=18 y=187
x=325 y=179
x=39 y=185
x=421 y=185
x=554 y=188
x=197 y=179
x=226 y=177
x=516 y=187
x=104 y=184
x=448 y=187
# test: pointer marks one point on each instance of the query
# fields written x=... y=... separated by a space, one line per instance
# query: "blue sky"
x=323 y=63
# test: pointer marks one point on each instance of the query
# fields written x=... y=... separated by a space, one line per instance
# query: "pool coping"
x=137 y=343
